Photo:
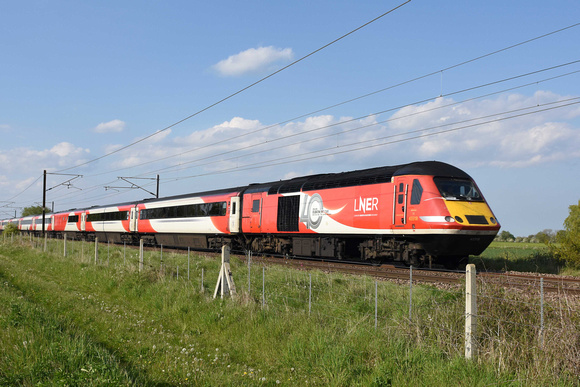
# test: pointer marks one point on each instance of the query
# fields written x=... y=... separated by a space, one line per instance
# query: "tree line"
x=564 y=244
x=545 y=236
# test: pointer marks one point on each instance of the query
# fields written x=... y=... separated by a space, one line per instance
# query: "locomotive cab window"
x=417 y=192
x=457 y=189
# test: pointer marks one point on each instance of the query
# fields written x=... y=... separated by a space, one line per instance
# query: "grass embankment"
x=69 y=321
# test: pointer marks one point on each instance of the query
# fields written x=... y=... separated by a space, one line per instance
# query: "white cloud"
x=252 y=60
x=109 y=127
x=5 y=127
x=25 y=160
x=322 y=142
x=529 y=139
x=65 y=149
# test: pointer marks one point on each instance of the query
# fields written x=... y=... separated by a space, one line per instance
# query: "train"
x=420 y=213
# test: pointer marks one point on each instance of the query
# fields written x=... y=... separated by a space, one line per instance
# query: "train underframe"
x=449 y=251
x=355 y=248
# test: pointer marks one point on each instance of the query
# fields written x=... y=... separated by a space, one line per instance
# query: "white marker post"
x=470 y=312
x=225 y=283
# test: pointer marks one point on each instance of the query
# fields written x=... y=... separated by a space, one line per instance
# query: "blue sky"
x=79 y=80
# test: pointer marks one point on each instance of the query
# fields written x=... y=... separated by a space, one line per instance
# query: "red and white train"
x=417 y=213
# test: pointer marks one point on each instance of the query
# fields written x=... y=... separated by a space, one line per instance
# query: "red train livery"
x=417 y=213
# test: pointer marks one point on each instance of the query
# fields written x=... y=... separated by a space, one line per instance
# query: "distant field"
x=525 y=257
x=518 y=246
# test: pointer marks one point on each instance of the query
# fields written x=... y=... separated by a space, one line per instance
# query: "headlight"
x=493 y=220
x=449 y=219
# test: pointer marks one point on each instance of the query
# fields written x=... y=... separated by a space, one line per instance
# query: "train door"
x=234 y=224
x=133 y=219
x=83 y=221
x=256 y=213
x=400 y=201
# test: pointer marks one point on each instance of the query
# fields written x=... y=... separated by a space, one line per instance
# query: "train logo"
x=312 y=210
x=366 y=204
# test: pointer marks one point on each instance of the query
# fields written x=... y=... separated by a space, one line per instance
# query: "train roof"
x=435 y=168
x=360 y=177
x=320 y=181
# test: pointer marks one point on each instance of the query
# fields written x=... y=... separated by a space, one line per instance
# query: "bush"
x=568 y=247
x=10 y=229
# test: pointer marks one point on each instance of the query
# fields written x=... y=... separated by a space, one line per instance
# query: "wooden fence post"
x=140 y=255
x=96 y=250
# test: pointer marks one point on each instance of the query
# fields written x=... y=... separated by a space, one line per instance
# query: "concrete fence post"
x=263 y=287
x=249 y=255
x=64 y=253
x=470 y=311
x=542 y=312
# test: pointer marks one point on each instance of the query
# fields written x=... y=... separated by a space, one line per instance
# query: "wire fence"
x=510 y=324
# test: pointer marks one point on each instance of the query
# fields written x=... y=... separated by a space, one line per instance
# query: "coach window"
x=256 y=206
x=417 y=192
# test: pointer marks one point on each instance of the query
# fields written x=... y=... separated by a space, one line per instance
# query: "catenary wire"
x=363 y=127
x=362 y=96
x=376 y=123
x=345 y=121
x=335 y=124
x=357 y=98
x=435 y=72
x=286 y=160
x=237 y=92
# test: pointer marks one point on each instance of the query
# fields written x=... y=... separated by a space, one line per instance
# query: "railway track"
x=525 y=281
x=443 y=278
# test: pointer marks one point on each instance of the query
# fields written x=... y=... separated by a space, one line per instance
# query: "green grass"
x=523 y=257
x=69 y=321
